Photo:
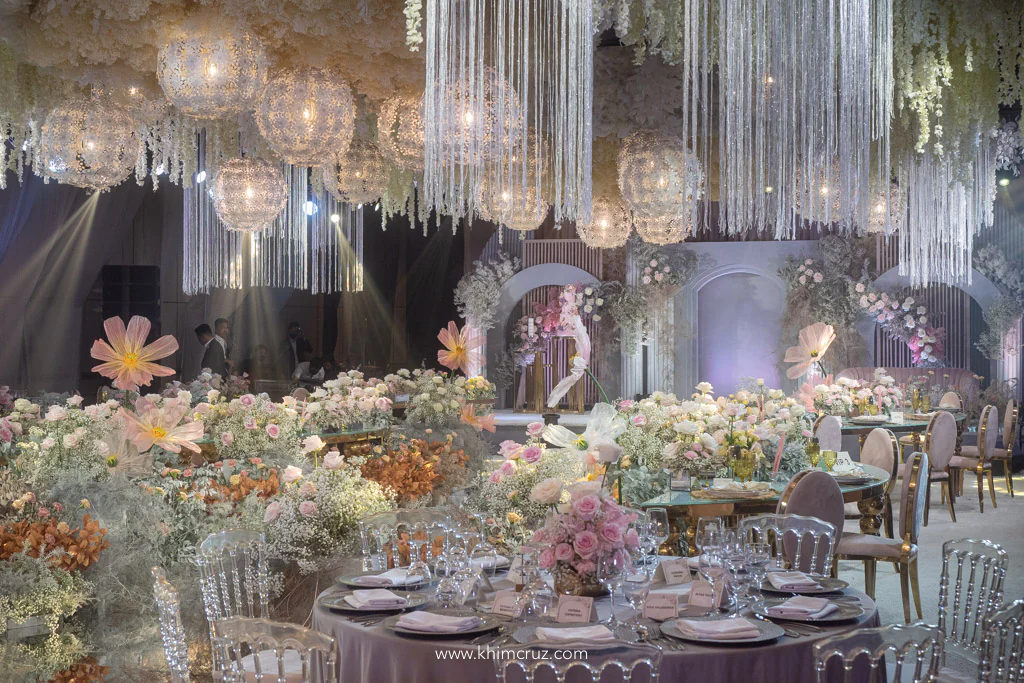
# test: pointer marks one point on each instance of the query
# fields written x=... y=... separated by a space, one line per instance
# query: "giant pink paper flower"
x=459 y=347
x=129 y=360
x=160 y=427
x=814 y=342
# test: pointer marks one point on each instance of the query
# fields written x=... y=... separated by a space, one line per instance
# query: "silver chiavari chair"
x=970 y=590
x=804 y=543
x=171 y=630
x=907 y=654
x=265 y=651
x=233 y=577
x=640 y=661
x=1002 y=646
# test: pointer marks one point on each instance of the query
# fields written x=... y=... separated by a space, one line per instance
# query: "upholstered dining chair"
x=804 y=543
x=171 y=630
x=951 y=401
x=233 y=577
x=828 y=430
x=265 y=651
x=940 y=445
x=640 y=661
x=979 y=458
x=881 y=450
x=1011 y=418
x=301 y=394
x=903 y=550
x=970 y=590
x=813 y=493
x=891 y=653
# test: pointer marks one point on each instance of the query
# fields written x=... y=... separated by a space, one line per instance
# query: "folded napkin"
x=803 y=607
x=488 y=562
x=596 y=633
x=693 y=562
x=847 y=471
x=428 y=622
x=718 y=629
x=746 y=486
x=393 y=577
x=793 y=581
x=377 y=597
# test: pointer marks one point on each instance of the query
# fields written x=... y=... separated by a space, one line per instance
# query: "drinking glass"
x=758 y=557
x=813 y=450
x=648 y=542
x=445 y=566
x=658 y=526
x=830 y=459
x=926 y=403
x=611 y=570
x=485 y=556
x=448 y=593
x=709 y=533
x=740 y=576
x=711 y=567
x=635 y=588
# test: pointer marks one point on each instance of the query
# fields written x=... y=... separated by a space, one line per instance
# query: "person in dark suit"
x=297 y=349
x=222 y=334
x=213 y=356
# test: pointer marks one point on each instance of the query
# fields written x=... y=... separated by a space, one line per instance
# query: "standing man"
x=222 y=333
x=213 y=356
x=297 y=349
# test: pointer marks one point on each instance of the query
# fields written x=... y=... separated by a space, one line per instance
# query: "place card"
x=505 y=603
x=844 y=461
x=702 y=594
x=575 y=609
x=661 y=606
x=673 y=571
x=896 y=418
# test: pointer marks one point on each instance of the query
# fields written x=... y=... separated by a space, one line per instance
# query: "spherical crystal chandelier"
x=213 y=74
x=88 y=144
x=656 y=175
x=896 y=207
x=359 y=176
x=609 y=226
x=400 y=132
x=248 y=194
x=485 y=119
x=669 y=229
x=522 y=209
x=307 y=116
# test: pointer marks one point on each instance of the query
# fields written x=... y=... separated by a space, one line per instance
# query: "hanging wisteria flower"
x=129 y=361
x=814 y=342
x=459 y=348
x=162 y=427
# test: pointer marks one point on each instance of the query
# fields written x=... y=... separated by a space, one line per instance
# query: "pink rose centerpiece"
x=584 y=530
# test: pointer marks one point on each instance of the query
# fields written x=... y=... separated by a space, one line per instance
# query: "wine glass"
x=485 y=556
x=635 y=587
x=658 y=526
x=829 y=457
x=740 y=576
x=813 y=450
x=535 y=601
x=417 y=565
x=448 y=593
x=709 y=533
x=758 y=557
x=611 y=570
x=711 y=567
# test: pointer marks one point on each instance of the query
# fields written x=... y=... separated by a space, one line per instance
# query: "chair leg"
x=915 y=586
x=1008 y=473
x=905 y=590
x=981 y=491
x=869 y=578
x=992 y=489
x=927 y=500
x=948 y=491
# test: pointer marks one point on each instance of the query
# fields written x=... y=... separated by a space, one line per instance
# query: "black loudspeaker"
x=131 y=290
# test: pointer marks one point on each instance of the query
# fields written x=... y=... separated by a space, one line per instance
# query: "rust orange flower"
x=459 y=351
x=129 y=361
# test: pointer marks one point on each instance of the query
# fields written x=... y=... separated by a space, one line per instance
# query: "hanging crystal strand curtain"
x=279 y=255
x=804 y=98
x=508 y=106
x=945 y=213
x=336 y=247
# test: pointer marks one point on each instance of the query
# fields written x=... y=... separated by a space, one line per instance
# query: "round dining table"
x=374 y=654
x=913 y=425
x=685 y=508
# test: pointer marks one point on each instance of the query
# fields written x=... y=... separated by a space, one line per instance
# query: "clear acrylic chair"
x=970 y=590
x=804 y=543
x=906 y=654
x=233 y=577
x=639 y=661
x=171 y=630
x=1002 y=646
x=265 y=651
x=382 y=534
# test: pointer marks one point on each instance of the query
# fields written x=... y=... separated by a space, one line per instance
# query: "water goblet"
x=709 y=533
x=635 y=587
x=485 y=557
x=448 y=593
x=658 y=525
x=468 y=578
x=740 y=577
x=611 y=570
x=758 y=557
x=829 y=457
x=711 y=567
x=813 y=450
x=444 y=566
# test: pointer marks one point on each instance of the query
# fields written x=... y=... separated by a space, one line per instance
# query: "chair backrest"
x=267 y=641
x=1010 y=424
x=382 y=533
x=1002 y=646
x=829 y=431
x=988 y=428
x=805 y=543
x=914 y=496
x=915 y=649
x=301 y=394
x=879 y=450
x=951 y=400
x=168 y=606
x=233 y=574
x=976 y=569
x=813 y=493
x=940 y=440
x=640 y=660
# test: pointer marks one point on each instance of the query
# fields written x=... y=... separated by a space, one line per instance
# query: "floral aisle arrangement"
x=314 y=519
x=587 y=527
x=347 y=404
x=437 y=400
x=252 y=426
x=414 y=468
x=64 y=438
x=206 y=381
x=478 y=292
